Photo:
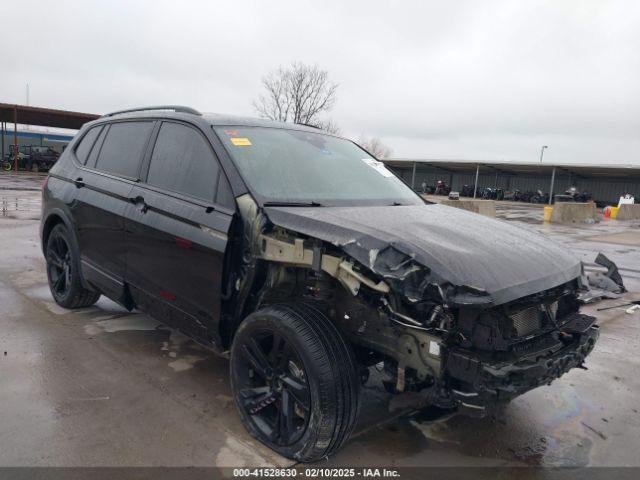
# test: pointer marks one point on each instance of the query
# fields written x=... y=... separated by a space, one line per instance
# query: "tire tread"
x=337 y=378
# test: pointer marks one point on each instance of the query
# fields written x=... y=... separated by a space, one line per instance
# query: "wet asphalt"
x=103 y=387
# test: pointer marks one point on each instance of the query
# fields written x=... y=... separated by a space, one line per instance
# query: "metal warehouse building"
x=30 y=137
x=605 y=182
x=13 y=115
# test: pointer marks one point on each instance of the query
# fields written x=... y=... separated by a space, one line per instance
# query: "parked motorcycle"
x=539 y=197
x=442 y=188
x=467 y=190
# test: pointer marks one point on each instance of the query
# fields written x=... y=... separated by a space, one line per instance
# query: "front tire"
x=295 y=381
x=63 y=271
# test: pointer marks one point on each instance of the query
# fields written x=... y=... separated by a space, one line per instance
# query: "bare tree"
x=297 y=94
x=375 y=147
x=328 y=126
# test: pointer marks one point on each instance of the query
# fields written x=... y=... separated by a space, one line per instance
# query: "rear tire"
x=295 y=381
x=63 y=273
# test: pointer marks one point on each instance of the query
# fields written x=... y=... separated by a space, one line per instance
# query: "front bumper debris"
x=482 y=382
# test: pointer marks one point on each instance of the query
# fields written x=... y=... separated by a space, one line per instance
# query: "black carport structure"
x=44 y=117
x=605 y=182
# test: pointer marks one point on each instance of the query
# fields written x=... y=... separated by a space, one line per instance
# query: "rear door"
x=111 y=157
x=176 y=231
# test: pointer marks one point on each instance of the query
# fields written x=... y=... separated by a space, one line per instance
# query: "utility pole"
x=542 y=152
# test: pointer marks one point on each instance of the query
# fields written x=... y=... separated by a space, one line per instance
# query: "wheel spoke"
x=254 y=354
x=247 y=393
x=60 y=246
x=285 y=417
x=54 y=258
x=298 y=391
x=58 y=283
x=67 y=276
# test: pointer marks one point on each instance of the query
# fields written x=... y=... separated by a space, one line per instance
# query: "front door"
x=176 y=232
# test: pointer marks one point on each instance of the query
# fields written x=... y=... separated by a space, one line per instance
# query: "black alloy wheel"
x=295 y=381
x=62 y=260
x=59 y=266
x=272 y=386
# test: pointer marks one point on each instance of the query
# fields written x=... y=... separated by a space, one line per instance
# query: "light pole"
x=542 y=152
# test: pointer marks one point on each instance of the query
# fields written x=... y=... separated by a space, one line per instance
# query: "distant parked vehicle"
x=9 y=159
x=467 y=190
x=578 y=196
x=42 y=158
x=454 y=195
x=539 y=197
x=30 y=157
x=512 y=195
x=573 y=195
x=442 y=188
x=489 y=193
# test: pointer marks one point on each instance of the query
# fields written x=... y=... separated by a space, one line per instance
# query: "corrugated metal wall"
x=606 y=190
x=54 y=141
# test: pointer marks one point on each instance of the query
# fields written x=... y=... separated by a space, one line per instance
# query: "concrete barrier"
x=483 y=207
x=572 y=212
x=629 y=212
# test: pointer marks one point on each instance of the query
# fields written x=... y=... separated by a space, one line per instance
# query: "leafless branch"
x=375 y=147
x=328 y=126
x=297 y=94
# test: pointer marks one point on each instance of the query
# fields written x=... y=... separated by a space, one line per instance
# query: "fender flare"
x=47 y=224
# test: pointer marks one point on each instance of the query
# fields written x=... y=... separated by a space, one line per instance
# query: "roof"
x=220 y=119
x=46 y=117
x=518 y=168
x=215 y=119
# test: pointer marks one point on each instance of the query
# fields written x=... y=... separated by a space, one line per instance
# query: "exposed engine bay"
x=461 y=345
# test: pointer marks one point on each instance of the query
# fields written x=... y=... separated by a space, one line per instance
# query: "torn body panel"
x=450 y=311
x=414 y=246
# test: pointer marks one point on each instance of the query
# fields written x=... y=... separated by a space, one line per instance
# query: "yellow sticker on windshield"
x=240 y=141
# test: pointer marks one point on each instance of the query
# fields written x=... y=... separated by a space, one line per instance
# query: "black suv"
x=310 y=263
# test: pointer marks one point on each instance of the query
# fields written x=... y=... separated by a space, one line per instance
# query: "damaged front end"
x=505 y=351
x=466 y=345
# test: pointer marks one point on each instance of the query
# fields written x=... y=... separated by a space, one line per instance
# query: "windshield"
x=293 y=166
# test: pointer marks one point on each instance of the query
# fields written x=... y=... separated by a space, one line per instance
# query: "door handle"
x=139 y=200
x=78 y=182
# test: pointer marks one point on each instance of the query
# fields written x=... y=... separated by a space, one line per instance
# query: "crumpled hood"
x=457 y=246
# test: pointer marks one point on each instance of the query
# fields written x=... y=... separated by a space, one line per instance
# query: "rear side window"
x=183 y=162
x=93 y=156
x=122 y=150
x=86 y=143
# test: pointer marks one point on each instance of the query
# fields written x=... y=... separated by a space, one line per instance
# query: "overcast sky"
x=490 y=80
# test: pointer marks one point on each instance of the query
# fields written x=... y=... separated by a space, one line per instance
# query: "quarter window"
x=86 y=143
x=122 y=150
x=183 y=162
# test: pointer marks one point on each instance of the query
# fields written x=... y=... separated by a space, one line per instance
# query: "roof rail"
x=309 y=125
x=175 y=108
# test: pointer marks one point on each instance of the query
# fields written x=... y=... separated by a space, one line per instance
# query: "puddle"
x=184 y=352
x=134 y=322
x=436 y=432
x=186 y=362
